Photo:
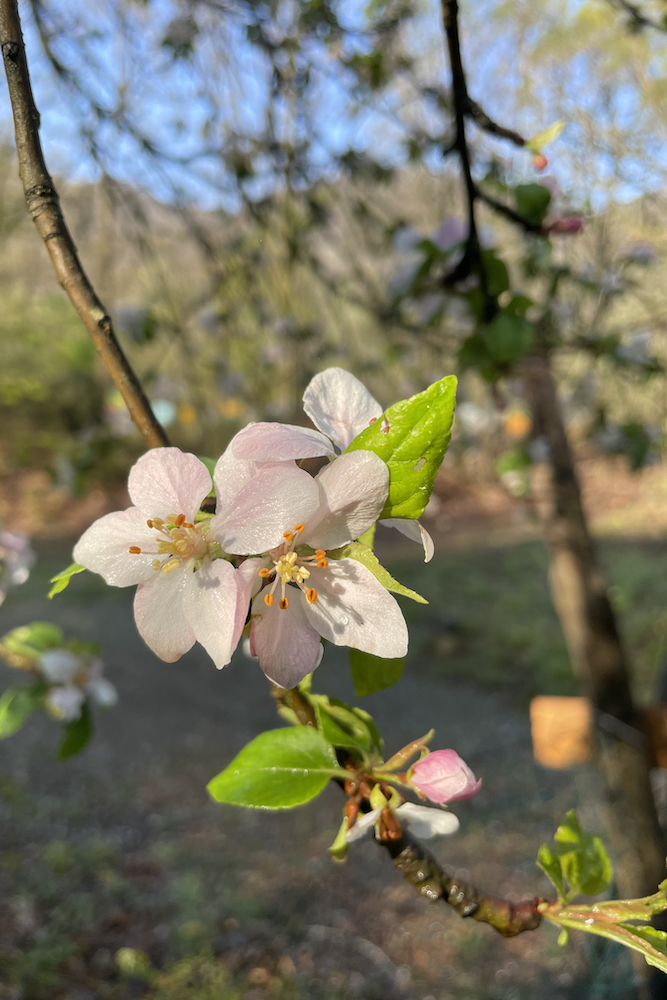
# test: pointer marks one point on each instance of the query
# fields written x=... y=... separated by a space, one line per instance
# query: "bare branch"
x=44 y=207
x=482 y=120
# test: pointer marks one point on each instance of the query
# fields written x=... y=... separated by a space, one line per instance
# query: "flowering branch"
x=44 y=207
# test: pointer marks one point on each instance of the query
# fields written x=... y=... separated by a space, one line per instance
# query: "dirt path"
x=121 y=848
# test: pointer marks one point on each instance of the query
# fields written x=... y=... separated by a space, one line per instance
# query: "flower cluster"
x=272 y=546
x=73 y=679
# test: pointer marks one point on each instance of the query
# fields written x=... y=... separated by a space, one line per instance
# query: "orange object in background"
x=562 y=731
x=517 y=423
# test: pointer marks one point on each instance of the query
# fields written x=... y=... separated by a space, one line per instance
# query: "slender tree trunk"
x=597 y=654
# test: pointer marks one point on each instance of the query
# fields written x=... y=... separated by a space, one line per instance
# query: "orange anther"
x=180 y=520
x=320 y=553
x=322 y=563
x=372 y=421
x=284 y=603
x=298 y=528
x=268 y=600
x=135 y=550
x=288 y=535
x=264 y=572
x=149 y=523
x=186 y=524
x=311 y=595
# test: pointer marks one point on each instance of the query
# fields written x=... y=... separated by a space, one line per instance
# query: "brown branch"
x=44 y=207
x=420 y=868
x=509 y=213
x=482 y=120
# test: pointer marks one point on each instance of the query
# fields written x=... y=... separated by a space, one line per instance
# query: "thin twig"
x=482 y=120
x=44 y=207
x=509 y=213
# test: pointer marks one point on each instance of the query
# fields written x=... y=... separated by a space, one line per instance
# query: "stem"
x=45 y=210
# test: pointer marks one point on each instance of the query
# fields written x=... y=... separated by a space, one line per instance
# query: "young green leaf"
x=61 y=580
x=373 y=673
x=532 y=202
x=550 y=865
x=583 y=857
x=279 y=769
x=345 y=726
x=76 y=734
x=30 y=641
x=508 y=336
x=366 y=556
x=16 y=706
x=412 y=437
x=550 y=134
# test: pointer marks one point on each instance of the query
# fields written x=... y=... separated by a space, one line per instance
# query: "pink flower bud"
x=443 y=777
x=567 y=226
x=540 y=161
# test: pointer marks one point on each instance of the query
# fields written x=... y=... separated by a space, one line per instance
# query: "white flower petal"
x=362 y=825
x=248 y=583
x=59 y=665
x=105 y=548
x=354 y=609
x=160 y=617
x=230 y=476
x=271 y=502
x=210 y=606
x=168 y=481
x=269 y=442
x=340 y=405
x=353 y=491
x=414 y=530
x=426 y=823
x=65 y=702
x=102 y=692
x=287 y=646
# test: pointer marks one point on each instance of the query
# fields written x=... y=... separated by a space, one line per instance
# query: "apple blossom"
x=422 y=821
x=16 y=561
x=307 y=594
x=341 y=407
x=186 y=590
x=442 y=776
x=73 y=679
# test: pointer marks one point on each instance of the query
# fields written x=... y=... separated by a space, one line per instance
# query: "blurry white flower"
x=16 y=561
x=74 y=678
x=65 y=702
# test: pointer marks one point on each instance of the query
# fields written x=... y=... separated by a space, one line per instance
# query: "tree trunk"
x=597 y=654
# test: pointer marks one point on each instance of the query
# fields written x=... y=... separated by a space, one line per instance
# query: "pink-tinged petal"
x=105 y=548
x=288 y=647
x=353 y=491
x=353 y=609
x=362 y=826
x=425 y=822
x=168 y=481
x=230 y=476
x=340 y=405
x=160 y=617
x=414 y=530
x=271 y=502
x=248 y=583
x=268 y=442
x=210 y=605
x=442 y=776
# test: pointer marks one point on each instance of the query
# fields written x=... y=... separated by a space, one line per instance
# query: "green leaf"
x=364 y=555
x=508 y=336
x=368 y=537
x=76 y=734
x=278 y=770
x=583 y=857
x=497 y=276
x=550 y=865
x=61 y=580
x=537 y=142
x=532 y=202
x=340 y=846
x=373 y=673
x=16 y=706
x=412 y=437
x=345 y=726
x=30 y=641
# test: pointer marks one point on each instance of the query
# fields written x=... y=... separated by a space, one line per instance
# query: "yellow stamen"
x=171 y=565
x=268 y=600
x=135 y=550
x=157 y=523
x=264 y=572
x=284 y=603
x=311 y=595
x=156 y=564
x=172 y=518
x=298 y=528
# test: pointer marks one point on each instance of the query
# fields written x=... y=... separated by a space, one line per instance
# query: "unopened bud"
x=568 y=226
x=540 y=162
x=443 y=777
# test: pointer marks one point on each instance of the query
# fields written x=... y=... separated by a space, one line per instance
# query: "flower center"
x=290 y=567
x=178 y=541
